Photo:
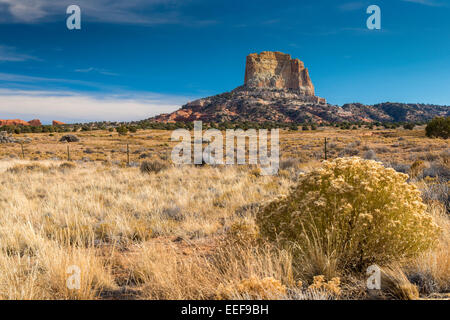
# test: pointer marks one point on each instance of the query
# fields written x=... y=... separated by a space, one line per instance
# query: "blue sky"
x=137 y=58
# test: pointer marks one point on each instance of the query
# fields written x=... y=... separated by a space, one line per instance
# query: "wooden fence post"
x=68 y=152
x=23 y=152
x=326 y=155
x=128 y=155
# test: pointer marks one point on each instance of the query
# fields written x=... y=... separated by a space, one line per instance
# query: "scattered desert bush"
x=399 y=167
x=370 y=155
x=429 y=157
x=69 y=138
x=355 y=212
x=153 y=166
x=437 y=170
x=174 y=213
x=438 y=128
x=288 y=163
x=122 y=130
x=416 y=169
x=382 y=149
x=445 y=156
x=351 y=149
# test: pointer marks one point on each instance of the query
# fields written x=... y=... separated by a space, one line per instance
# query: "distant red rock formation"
x=13 y=122
x=57 y=123
x=35 y=122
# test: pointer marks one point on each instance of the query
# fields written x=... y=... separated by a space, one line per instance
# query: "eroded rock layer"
x=277 y=70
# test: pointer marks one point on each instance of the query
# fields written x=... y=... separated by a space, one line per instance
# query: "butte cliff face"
x=277 y=70
x=278 y=88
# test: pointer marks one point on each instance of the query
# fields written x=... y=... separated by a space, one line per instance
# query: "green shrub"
x=438 y=128
x=352 y=211
x=153 y=166
x=122 y=130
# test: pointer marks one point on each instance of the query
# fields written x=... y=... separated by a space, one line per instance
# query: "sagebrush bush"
x=353 y=210
x=417 y=168
x=153 y=166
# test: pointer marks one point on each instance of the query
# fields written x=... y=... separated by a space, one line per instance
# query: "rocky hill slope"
x=278 y=88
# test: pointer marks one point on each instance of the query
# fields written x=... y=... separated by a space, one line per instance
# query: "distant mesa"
x=19 y=122
x=14 y=122
x=35 y=122
x=278 y=88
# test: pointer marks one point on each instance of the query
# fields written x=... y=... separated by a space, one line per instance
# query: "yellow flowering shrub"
x=355 y=210
x=332 y=286
x=253 y=288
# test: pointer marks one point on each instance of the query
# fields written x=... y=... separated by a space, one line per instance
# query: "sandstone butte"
x=270 y=77
x=57 y=123
x=35 y=122
x=13 y=122
x=277 y=70
x=19 y=122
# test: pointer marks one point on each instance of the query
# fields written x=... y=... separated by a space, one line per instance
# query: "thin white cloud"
x=96 y=70
x=10 y=54
x=74 y=107
x=12 y=79
x=115 y=11
x=430 y=3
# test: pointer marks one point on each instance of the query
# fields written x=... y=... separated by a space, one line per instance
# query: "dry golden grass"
x=432 y=269
x=181 y=233
x=53 y=218
x=396 y=285
x=397 y=146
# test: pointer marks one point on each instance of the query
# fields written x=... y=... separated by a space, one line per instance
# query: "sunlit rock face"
x=277 y=70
